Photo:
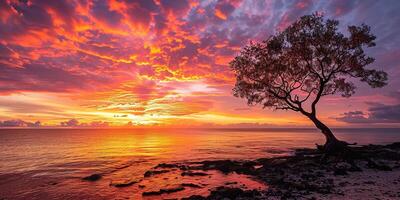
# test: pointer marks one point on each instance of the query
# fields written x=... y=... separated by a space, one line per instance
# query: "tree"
x=310 y=59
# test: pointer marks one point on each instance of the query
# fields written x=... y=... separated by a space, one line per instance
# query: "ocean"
x=50 y=163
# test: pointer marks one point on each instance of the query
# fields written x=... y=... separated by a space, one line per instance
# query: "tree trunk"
x=332 y=144
x=324 y=129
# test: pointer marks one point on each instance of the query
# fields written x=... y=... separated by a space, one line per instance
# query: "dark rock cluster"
x=303 y=174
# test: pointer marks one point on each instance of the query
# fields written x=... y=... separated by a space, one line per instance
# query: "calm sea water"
x=49 y=163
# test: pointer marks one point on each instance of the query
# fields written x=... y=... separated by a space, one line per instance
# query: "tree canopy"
x=308 y=60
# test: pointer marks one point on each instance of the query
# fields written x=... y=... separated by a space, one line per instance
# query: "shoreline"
x=374 y=174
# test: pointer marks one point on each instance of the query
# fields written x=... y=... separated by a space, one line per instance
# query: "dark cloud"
x=378 y=113
x=123 y=116
x=76 y=123
x=353 y=117
x=385 y=113
x=175 y=6
x=394 y=95
x=102 y=12
x=63 y=8
x=97 y=124
x=189 y=51
x=70 y=123
x=160 y=23
x=140 y=12
x=143 y=13
x=19 y=123
x=33 y=15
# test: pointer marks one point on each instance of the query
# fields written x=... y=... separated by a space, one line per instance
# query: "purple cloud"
x=19 y=123
x=76 y=123
x=377 y=113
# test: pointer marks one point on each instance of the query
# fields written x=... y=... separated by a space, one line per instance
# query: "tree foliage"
x=308 y=60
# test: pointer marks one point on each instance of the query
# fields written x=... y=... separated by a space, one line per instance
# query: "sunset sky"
x=165 y=62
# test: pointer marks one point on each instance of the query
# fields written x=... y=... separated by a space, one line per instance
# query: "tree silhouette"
x=295 y=68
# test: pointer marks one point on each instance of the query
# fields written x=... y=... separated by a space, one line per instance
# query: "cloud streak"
x=376 y=113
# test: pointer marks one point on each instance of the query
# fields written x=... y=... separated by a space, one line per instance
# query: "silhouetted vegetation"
x=310 y=59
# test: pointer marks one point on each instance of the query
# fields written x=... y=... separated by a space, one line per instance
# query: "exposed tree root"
x=337 y=148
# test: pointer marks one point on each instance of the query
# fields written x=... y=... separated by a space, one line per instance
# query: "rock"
x=232 y=193
x=195 y=197
x=93 y=177
x=306 y=152
x=344 y=183
x=355 y=168
x=386 y=154
x=230 y=183
x=340 y=172
x=166 y=165
x=225 y=166
x=308 y=176
x=192 y=173
x=163 y=191
x=192 y=185
x=369 y=182
x=373 y=165
x=395 y=145
x=124 y=184
x=341 y=168
x=154 y=172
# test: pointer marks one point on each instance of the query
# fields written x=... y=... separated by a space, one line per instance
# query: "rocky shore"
x=372 y=172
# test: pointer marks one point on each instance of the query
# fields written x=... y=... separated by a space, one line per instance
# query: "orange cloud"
x=220 y=15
